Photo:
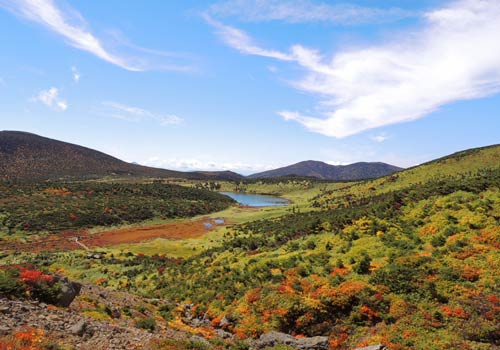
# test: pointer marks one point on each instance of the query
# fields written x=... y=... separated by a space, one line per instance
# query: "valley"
x=250 y=175
x=409 y=260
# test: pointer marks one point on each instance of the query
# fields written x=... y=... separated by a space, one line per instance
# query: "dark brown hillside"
x=321 y=170
x=218 y=175
x=26 y=156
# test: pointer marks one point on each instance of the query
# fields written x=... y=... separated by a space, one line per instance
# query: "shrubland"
x=410 y=261
x=54 y=207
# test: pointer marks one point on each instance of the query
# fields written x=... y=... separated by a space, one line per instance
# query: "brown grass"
x=66 y=240
x=175 y=231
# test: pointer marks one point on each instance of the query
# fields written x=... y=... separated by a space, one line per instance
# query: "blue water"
x=257 y=200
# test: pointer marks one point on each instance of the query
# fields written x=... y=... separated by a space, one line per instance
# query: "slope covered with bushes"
x=410 y=261
x=54 y=207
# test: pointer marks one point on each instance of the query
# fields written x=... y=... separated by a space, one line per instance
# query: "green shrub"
x=126 y=310
x=10 y=285
x=165 y=311
x=363 y=265
x=438 y=241
x=46 y=292
x=148 y=323
x=197 y=345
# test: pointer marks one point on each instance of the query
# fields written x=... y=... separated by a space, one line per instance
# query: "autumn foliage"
x=26 y=338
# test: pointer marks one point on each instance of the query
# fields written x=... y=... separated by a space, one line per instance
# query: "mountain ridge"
x=325 y=171
x=28 y=156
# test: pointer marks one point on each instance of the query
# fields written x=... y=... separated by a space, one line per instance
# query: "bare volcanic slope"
x=26 y=156
x=321 y=170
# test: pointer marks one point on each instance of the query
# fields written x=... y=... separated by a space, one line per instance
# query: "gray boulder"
x=276 y=338
x=224 y=335
x=4 y=310
x=224 y=322
x=69 y=291
x=79 y=328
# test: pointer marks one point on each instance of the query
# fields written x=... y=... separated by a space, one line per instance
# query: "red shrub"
x=34 y=276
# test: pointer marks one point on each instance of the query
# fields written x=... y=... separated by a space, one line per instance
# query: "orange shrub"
x=458 y=312
x=34 y=276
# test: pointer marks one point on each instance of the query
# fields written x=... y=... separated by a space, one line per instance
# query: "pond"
x=257 y=200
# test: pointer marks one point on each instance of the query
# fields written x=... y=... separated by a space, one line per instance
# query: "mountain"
x=26 y=156
x=219 y=175
x=321 y=170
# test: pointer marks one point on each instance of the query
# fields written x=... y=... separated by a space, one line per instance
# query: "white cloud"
x=242 y=42
x=191 y=164
x=76 y=74
x=71 y=25
x=454 y=56
x=379 y=138
x=135 y=114
x=51 y=99
x=272 y=69
x=299 y=11
x=2 y=82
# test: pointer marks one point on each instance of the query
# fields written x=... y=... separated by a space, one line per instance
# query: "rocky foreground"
x=71 y=327
x=78 y=326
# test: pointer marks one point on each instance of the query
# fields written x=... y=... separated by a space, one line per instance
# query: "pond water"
x=257 y=200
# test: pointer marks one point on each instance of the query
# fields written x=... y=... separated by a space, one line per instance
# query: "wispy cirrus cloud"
x=241 y=41
x=70 y=24
x=454 y=56
x=51 y=99
x=136 y=114
x=76 y=74
x=301 y=11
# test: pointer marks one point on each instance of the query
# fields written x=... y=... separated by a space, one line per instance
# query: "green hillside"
x=410 y=261
x=47 y=207
x=457 y=165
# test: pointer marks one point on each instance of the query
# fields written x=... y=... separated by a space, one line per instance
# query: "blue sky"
x=248 y=85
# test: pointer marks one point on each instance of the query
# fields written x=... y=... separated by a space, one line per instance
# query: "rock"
x=312 y=343
x=273 y=338
x=52 y=317
x=4 y=330
x=224 y=322
x=69 y=291
x=79 y=328
x=200 y=340
x=373 y=347
x=115 y=313
x=198 y=322
x=4 y=310
x=224 y=335
x=276 y=338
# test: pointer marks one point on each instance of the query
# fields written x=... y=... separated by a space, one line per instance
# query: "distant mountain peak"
x=322 y=170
